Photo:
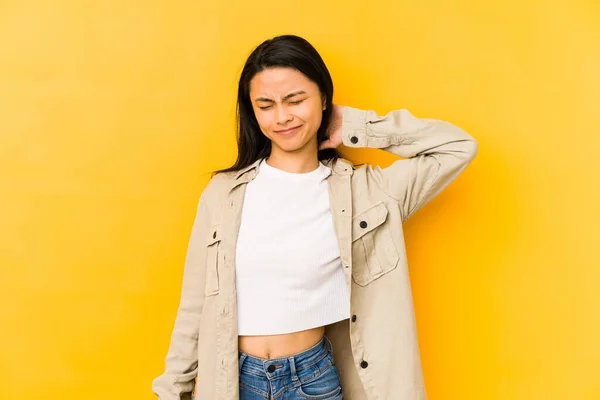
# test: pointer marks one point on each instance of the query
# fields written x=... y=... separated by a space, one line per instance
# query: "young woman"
x=296 y=257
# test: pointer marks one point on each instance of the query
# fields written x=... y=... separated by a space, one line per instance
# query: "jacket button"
x=271 y=368
x=354 y=318
x=354 y=139
x=363 y=224
x=364 y=364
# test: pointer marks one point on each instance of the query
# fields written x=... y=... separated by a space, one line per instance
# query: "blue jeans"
x=309 y=375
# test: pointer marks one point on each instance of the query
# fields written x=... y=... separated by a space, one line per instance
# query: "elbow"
x=472 y=149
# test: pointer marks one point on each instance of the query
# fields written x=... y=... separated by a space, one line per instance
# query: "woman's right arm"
x=181 y=363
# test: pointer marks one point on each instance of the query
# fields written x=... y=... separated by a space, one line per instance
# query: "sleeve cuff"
x=354 y=128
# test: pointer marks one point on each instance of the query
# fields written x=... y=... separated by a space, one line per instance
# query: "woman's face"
x=288 y=107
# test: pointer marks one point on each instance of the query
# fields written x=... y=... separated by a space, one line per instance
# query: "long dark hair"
x=286 y=51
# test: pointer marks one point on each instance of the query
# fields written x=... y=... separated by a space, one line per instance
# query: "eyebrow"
x=286 y=97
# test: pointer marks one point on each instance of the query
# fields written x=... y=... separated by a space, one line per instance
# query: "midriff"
x=278 y=346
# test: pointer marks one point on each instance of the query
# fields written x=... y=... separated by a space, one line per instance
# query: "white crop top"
x=289 y=276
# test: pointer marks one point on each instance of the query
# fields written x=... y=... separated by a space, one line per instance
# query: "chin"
x=290 y=149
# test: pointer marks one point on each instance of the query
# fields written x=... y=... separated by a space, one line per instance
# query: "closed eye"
x=293 y=103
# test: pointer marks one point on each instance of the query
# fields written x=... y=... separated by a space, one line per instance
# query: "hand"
x=334 y=130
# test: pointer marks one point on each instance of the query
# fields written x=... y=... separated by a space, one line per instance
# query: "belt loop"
x=243 y=357
x=330 y=345
x=293 y=368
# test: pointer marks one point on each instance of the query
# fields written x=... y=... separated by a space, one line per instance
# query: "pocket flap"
x=213 y=261
x=368 y=220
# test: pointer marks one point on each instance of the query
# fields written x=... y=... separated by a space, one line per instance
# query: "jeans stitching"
x=317 y=375
x=257 y=391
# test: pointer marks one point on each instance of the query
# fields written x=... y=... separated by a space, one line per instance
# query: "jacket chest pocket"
x=373 y=250
x=214 y=259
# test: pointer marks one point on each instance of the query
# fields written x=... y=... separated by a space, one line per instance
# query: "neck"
x=303 y=161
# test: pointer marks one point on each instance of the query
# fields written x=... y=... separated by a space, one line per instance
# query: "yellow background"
x=113 y=112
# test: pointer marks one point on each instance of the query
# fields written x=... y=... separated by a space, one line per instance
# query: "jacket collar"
x=251 y=168
x=339 y=167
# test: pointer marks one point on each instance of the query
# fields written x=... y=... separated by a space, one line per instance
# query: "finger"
x=325 y=145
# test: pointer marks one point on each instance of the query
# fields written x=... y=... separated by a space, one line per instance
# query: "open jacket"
x=376 y=351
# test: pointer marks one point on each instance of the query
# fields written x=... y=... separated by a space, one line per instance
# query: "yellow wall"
x=112 y=113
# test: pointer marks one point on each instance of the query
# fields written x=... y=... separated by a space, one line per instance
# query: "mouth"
x=288 y=131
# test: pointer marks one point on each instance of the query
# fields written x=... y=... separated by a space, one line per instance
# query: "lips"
x=288 y=131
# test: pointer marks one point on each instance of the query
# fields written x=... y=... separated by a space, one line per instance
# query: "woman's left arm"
x=435 y=153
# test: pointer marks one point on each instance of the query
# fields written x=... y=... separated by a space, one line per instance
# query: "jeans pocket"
x=326 y=386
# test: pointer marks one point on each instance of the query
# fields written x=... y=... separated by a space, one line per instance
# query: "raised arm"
x=435 y=153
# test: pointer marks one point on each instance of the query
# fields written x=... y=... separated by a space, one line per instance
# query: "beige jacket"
x=376 y=351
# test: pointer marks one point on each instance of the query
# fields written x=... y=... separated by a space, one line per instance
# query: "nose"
x=283 y=116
